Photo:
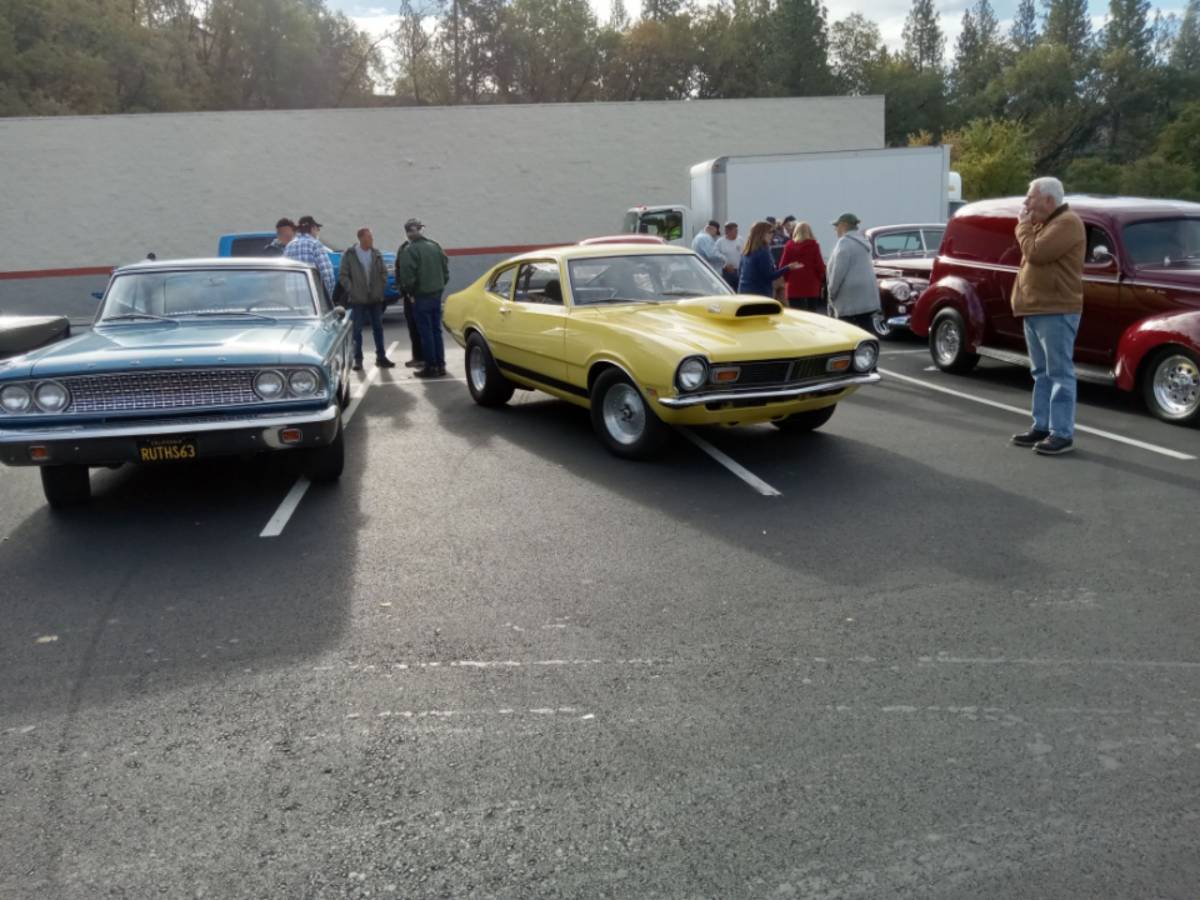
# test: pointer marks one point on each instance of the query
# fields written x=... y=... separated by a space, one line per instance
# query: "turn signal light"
x=726 y=375
x=39 y=454
x=291 y=435
x=838 y=364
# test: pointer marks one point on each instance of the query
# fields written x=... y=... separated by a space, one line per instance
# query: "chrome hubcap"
x=880 y=325
x=624 y=413
x=1177 y=386
x=477 y=367
x=947 y=342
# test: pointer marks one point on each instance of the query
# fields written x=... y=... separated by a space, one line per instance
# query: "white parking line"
x=1107 y=435
x=283 y=514
x=732 y=465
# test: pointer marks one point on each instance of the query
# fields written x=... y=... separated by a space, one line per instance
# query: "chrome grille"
x=185 y=389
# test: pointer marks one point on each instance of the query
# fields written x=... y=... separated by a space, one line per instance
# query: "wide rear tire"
x=66 y=486
x=948 y=343
x=487 y=384
x=803 y=422
x=622 y=418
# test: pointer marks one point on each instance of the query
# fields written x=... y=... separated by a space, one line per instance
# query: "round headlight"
x=269 y=385
x=303 y=382
x=51 y=397
x=16 y=398
x=692 y=373
x=865 y=356
x=901 y=290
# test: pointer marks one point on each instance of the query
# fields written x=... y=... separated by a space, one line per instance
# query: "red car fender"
x=1143 y=338
x=956 y=293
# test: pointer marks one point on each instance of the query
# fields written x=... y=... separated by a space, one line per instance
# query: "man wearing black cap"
x=422 y=270
x=305 y=248
x=285 y=230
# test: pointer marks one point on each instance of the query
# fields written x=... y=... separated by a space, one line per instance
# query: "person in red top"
x=804 y=284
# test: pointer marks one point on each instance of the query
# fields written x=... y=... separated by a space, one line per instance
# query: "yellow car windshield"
x=642 y=278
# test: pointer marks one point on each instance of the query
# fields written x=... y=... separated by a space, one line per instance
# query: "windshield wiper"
x=227 y=312
x=125 y=317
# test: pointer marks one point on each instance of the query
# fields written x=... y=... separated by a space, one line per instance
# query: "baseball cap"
x=713 y=223
x=846 y=218
x=731 y=224
x=771 y=220
x=285 y=222
x=414 y=225
x=310 y=222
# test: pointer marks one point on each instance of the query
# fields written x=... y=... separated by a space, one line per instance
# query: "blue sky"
x=377 y=18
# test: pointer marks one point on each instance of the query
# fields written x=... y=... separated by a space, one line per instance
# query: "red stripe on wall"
x=507 y=250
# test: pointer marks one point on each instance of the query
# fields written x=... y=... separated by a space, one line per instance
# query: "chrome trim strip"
x=1083 y=371
x=774 y=394
x=972 y=264
x=1133 y=282
x=145 y=428
x=899 y=321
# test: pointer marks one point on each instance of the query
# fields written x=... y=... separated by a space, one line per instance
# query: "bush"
x=993 y=156
x=1092 y=175
x=1153 y=176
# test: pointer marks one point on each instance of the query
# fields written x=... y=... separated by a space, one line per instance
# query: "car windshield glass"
x=1164 y=243
x=208 y=293
x=644 y=278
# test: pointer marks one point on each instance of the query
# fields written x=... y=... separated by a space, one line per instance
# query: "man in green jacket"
x=363 y=275
x=422 y=270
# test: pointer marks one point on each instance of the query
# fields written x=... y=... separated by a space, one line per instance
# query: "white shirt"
x=731 y=251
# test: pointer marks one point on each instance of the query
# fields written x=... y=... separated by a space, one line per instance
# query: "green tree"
x=1127 y=78
x=980 y=57
x=914 y=100
x=924 y=43
x=1179 y=142
x=720 y=35
x=800 y=48
x=1185 y=54
x=855 y=45
x=1092 y=175
x=993 y=156
x=1024 y=31
x=1153 y=176
x=1068 y=24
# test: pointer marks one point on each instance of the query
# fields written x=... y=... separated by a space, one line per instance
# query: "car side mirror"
x=99 y=295
x=1101 y=254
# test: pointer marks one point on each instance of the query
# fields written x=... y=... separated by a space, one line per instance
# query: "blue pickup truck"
x=254 y=243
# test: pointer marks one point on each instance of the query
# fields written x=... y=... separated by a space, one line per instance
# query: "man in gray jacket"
x=853 y=291
x=362 y=276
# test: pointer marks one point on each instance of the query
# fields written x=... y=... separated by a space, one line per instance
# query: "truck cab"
x=672 y=224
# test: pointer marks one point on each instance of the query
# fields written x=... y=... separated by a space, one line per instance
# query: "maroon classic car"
x=1140 y=329
x=903 y=256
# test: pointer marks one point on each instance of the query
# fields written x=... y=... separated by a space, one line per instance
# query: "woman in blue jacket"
x=757 y=271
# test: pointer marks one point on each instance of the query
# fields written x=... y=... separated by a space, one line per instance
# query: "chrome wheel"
x=1176 y=386
x=477 y=368
x=880 y=326
x=947 y=341
x=624 y=413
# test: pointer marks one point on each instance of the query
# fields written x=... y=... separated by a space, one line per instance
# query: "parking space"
x=495 y=660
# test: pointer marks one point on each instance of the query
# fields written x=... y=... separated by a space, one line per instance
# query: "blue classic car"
x=186 y=359
x=254 y=243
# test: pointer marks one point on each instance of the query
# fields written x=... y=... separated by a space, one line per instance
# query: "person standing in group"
x=363 y=276
x=285 y=230
x=417 y=360
x=758 y=269
x=853 y=290
x=305 y=248
x=778 y=240
x=1048 y=297
x=704 y=244
x=422 y=270
x=804 y=284
x=729 y=246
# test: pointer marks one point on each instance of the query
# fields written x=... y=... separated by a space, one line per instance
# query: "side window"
x=1098 y=237
x=666 y=225
x=933 y=239
x=249 y=246
x=501 y=283
x=538 y=282
x=899 y=243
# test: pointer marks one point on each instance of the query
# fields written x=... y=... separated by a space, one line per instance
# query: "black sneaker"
x=384 y=363
x=1029 y=438
x=425 y=373
x=357 y=365
x=415 y=364
x=441 y=372
x=1054 y=446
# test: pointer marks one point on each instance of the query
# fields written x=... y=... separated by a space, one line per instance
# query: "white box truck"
x=881 y=187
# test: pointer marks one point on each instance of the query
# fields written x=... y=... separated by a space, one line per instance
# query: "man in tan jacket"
x=1048 y=296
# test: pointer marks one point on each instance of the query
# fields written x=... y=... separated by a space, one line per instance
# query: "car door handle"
x=505 y=310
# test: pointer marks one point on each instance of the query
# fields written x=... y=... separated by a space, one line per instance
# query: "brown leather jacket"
x=1051 y=276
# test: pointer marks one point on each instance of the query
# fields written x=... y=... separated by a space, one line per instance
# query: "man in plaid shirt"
x=305 y=248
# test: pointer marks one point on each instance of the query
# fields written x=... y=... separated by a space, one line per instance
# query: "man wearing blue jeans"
x=1048 y=297
x=362 y=276
x=422 y=270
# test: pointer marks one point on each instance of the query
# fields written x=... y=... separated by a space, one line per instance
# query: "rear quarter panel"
x=950 y=292
x=1142 y=339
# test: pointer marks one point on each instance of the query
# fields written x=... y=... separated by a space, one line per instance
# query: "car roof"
x=884 y=229
x=592 y=251
x=216 y=262
x=1119 y=209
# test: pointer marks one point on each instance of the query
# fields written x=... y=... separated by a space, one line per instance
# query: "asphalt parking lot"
x=895 y=658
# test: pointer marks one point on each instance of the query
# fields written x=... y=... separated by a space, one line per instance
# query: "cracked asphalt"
x=495 y=661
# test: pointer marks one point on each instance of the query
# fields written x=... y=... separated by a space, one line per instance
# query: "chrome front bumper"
x=767 y=394
x=898 y=321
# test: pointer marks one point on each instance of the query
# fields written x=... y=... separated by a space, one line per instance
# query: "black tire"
x=66 y=486
x=622 y=418
x=948 y=343
x=803 y=422
x=1171 y=386
x=487 y=384
x=325 y=464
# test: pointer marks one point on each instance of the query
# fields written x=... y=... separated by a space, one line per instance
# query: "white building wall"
x=99 y=191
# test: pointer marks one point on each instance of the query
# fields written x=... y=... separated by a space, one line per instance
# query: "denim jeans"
x=361 y=315
x=414 y=333
x=428 y=310
x=1051 y=341
x=808 y=304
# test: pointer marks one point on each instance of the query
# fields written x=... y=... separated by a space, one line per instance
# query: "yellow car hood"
x=714 y=327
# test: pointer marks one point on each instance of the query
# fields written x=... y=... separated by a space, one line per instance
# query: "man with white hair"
x=1048 y=297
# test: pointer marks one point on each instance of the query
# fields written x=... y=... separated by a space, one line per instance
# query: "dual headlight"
x=866 y=355
x=272 y=384
x=43 y=396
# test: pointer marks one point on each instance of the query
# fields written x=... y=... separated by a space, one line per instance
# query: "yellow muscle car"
x=649 y=336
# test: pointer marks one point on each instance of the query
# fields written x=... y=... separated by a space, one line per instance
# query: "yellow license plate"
x=168 y=450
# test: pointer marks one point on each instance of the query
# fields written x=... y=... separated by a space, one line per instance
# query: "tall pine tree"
x=1067 y=23
x=1024 y=31
x=924 y=43
x=801 y=48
